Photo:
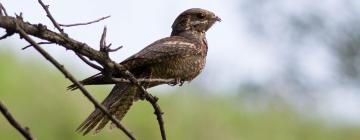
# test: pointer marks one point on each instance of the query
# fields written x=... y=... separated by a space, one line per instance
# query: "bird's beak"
x=217 y=18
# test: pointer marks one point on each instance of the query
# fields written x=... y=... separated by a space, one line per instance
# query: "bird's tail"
x=118 y=102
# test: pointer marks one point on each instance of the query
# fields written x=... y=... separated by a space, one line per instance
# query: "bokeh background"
x=276 y=70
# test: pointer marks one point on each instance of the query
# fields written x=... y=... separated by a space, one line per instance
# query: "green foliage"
x=37 y=96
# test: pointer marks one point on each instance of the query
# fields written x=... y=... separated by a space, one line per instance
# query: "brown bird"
x=180 y=56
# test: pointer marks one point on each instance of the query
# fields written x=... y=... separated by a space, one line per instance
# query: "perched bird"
x=180 y=56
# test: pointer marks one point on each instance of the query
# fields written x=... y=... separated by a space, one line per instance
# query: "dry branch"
x=85 y=23
x=23 y=130
x=89 y=63
x=17 y=25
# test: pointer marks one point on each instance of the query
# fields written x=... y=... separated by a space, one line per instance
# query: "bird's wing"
x=160 y=50
x=156 y=52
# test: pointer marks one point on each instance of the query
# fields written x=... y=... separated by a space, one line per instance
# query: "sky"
x=235 y=54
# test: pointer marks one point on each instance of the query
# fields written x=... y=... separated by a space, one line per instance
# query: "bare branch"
x=48 y=14
x=23 y=130
x=72 y=79
x=2 y=9
x=42 y=32
x=101 y=57
x=37 y=43
x=86 y=23
x=89 y=63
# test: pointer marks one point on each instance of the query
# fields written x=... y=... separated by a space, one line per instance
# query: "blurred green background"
x=36 y=95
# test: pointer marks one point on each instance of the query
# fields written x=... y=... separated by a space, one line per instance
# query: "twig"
x=37 y=43
x=153 y=100
x=85 y=23
x=72 y=79
x=48 y=14
x=2 y=9
x=113 y=50
x=89 y=63
x=23 y=130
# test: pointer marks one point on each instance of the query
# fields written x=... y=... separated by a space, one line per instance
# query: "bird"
x=180 y=56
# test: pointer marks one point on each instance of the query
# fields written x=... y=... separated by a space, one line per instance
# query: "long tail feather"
x=118 y=102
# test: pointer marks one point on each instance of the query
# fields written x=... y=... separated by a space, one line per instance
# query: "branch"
x=48 y=14
x=80 y=48
x=42 y=32
x=8 y=32
x=23 y=130
x=86 y=23
x=36 y=43
x=72 y=79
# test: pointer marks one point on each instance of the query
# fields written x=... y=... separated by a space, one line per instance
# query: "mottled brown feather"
x=180 y=56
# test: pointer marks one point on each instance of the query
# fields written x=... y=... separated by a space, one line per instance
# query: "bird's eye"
x=200 y=15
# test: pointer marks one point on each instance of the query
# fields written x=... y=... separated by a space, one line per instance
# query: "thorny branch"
x=81 y=49
x=23 y=130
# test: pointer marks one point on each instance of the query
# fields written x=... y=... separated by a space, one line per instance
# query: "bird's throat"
x=189 y=34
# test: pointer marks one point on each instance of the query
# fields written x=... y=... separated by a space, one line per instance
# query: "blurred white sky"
x=234 y=55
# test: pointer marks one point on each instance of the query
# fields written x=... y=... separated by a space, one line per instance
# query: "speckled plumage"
x=180 y=56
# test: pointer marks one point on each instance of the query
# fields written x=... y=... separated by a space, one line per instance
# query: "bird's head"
x=194 y=19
